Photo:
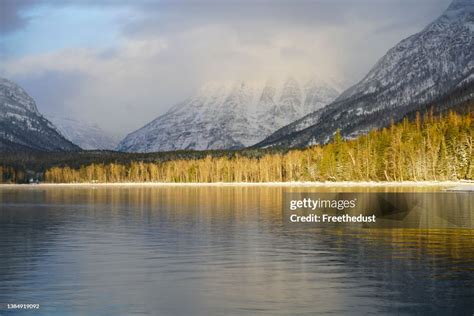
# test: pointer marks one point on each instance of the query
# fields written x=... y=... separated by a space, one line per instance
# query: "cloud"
x=163 y=51
x=120 y=92
x=52 y=88
x=11 y=18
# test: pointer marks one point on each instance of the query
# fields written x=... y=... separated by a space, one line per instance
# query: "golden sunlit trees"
x=429 y=148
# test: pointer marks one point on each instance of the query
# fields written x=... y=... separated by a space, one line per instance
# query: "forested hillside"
x=23 y=165
x=428 y=148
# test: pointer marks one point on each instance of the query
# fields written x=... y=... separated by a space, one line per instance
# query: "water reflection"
x=217 y=250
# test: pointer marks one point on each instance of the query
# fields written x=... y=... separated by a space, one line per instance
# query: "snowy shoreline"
x=456 y=185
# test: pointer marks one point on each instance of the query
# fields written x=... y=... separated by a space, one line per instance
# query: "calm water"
x=216 y=251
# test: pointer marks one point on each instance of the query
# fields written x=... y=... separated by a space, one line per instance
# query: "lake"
x=210 y=250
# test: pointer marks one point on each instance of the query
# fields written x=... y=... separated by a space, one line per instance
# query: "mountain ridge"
x=88 y=136
x=22 y=127
x=419 y=69
x=230 y=115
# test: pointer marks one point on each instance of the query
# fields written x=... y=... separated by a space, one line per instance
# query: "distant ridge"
x=86 y=135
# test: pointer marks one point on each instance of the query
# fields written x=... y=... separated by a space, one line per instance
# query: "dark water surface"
x=217 y=251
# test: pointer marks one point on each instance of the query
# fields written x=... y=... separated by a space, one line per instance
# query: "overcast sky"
x=122 y=63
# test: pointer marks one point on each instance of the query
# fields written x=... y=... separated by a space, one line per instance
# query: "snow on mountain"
x=84 y=134
x=417 y=71
x=230 y=115
x=22 y=127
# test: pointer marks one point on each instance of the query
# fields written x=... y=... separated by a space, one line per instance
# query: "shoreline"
x=462 y=185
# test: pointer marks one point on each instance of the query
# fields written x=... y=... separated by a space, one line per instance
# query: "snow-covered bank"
x=463 y=188
x=452 y=185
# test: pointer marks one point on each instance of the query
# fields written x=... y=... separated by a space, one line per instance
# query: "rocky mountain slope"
x=230 y=115
x=22 y=127
x=417 y=71
x=84 y=134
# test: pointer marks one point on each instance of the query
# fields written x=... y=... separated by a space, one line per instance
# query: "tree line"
x=428 y=148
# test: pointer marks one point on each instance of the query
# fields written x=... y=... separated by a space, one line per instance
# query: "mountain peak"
x=417 y=71
x=461 y=5
x=459 y=11
x=10 y=90
x=87 y=135
x=22 y=126
x=230 y=114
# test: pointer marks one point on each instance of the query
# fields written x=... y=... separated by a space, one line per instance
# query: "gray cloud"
x=167 y=49
x=10 y=14
x=52 y=89
x=176 y=15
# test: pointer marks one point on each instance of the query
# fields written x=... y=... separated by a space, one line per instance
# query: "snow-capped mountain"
x=84 y=134
x=22 y=127
x=230 y=115
x=417 y=71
